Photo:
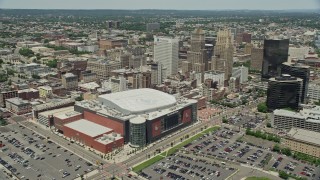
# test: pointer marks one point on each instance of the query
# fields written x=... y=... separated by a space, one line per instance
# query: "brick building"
x=28 y=94
x=7 y=95
x=93 y=135
x=18 y=106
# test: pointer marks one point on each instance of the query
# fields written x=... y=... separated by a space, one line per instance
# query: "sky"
x=162 y=4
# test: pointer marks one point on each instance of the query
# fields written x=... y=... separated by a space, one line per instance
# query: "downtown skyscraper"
x=166 y=53
x=223 y=53
x=197 y=54
x=275 y=52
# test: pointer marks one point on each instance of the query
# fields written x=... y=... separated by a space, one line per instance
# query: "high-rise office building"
x=116 y=24
x=156 y=73
x=256 y=58
x=274 y=54
x=299 y=71
x=166 y=52
x=197 y=54
x=197 y=40
x=218 y=64
x=185 y=67
x=284 y=92
x=109 y=24
x=223 y=50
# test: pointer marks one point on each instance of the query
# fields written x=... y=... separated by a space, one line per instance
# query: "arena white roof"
x=87 y=127
x=138 y=101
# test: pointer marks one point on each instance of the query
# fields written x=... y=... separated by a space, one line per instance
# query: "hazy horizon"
x=161 y=5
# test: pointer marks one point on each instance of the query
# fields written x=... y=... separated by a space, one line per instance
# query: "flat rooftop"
x=57 y=112
x=17 y=101
x=66 y=114
x=109 y=138
x=87 y=127
x=90 y=85
x=138 y=101
x=305 y=135
x=54 y=103
x=311 y=114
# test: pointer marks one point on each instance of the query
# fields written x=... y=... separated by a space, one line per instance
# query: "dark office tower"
x=300 y=71
x=274 y=54
x=284 y=92
x=210 y=42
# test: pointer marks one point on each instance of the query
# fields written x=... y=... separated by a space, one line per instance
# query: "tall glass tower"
x=274 y=54
x=284 y=92
x=299 y=71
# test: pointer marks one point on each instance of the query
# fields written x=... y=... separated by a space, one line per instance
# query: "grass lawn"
x=146 y=164
x=257 y=178
x=214 y=128
x=174 y=149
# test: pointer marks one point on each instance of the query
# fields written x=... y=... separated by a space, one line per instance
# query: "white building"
x=118 y=84
x=92 y=48
x=297 y=53
x=241 y=73
x=198 y=77
x=308 y=118
x=216 y=76
x=314 y=91
x=166 y=52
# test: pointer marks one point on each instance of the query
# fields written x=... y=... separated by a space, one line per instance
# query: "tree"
x=9 y=82
x=10 y=72
x=3 y=78
x=80 y=98
x=52 y=63
x=262 y=107
x=276 y=148
x=286 y=151
x=283 y=175
x=3 y=122
x=269 y=125
x=34 y=76
x=26 y=52
x=224 y=120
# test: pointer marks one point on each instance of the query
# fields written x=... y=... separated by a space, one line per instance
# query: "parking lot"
x=31 y=156
x=222 y=146
x=182 y=167
x=245 y=121
x=295 y=168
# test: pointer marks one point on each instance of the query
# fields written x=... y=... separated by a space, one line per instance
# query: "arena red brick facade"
x=91 y=142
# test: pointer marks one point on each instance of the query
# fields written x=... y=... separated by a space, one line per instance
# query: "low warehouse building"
x=304 y=141
x=93 y=135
